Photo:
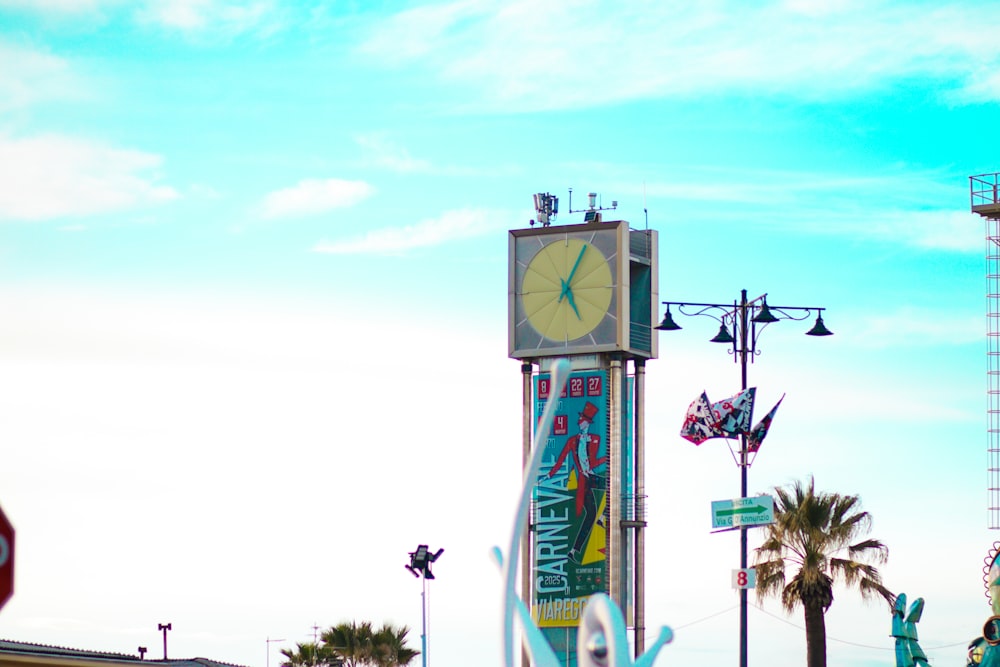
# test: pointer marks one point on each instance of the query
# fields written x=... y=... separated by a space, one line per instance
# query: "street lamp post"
x=740 y=323
x=270 y=641
x=420 y=564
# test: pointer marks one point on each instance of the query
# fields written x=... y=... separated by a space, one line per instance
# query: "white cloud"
x=928 y=327
x=228 y=17
x=385 y=153
x=451 y=226
x=528 y=54
x=53 y=176
x=217 y=17
x=788 y=200
x=29 y=76
x=57 y=6
x=381 y=151
x=948 y=230
x=183 y=14
x=984 y=85
x=313 y=196
x=943 y=230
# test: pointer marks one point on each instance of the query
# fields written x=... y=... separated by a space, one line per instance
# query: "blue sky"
x=253 y=273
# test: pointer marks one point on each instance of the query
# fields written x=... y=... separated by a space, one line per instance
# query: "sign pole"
x=744 y=332
x=743 y=317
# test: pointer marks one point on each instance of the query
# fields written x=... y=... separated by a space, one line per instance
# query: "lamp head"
x=421 y=559
x=418 y=558
x=764 y=315
x=819 y=329
x=723 y=336
x=668 y=323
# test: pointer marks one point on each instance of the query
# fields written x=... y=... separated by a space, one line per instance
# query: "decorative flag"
x=699 y=425
x=733 y=415
x=756 y=436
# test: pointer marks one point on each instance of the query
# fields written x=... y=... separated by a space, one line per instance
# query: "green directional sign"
x=755 y=511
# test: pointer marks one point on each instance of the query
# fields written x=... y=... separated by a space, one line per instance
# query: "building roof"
x=13 y=654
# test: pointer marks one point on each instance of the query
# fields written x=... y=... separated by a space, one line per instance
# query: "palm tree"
x=813 y=537
x=352 y=642
x=390 y=646
x=309 y=655
x=358 y=645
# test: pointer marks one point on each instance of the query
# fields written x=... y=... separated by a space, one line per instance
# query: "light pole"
x=740 y=323
x=420 y=564
x=270 y=641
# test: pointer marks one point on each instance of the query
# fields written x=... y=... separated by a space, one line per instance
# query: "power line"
x=700 y=620
x=844 y=641
x=799 y=627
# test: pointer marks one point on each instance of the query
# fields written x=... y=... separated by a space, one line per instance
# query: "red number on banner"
x=741 y=579
x=594 y=385
x=563 y=394
x=560 y=426
x=543 y=388
x=576 y=387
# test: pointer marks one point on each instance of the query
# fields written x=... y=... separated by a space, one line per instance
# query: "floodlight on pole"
x=740 y=324
x=420 y=565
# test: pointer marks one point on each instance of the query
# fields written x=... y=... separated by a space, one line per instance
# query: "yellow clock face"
x=567 y=289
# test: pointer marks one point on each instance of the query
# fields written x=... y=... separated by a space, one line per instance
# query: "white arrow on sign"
x=754 y=511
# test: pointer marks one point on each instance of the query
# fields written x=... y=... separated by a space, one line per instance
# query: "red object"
x=6 y=559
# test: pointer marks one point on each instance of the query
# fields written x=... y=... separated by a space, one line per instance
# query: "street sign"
x=745 y=578
x=6 y=559
x=755 y=511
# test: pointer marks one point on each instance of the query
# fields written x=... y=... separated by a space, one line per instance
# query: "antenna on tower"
x=546 y=209
x=645 y=211
x=591 y=214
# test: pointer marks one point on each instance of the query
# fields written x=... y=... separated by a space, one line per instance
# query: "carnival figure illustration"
x=584 y=449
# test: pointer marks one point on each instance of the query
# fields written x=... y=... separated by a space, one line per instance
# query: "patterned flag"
x=699 y=425
x=733 y=415
x=756 y=436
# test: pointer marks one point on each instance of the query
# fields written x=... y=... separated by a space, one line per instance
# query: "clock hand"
x=569 y=280
x=569 y=296
x=566 y=289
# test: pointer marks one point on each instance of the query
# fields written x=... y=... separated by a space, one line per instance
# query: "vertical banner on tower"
x=571 y=500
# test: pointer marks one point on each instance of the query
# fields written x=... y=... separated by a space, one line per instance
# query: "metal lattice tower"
x=985 y=202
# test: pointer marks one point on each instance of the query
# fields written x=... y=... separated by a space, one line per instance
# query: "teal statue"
x=984 y=651
x=602 y=640
x=904 y=629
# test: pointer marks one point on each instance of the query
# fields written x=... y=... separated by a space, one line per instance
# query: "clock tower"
x=586 y=292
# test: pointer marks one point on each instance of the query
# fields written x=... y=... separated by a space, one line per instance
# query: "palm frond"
x=811 y=532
